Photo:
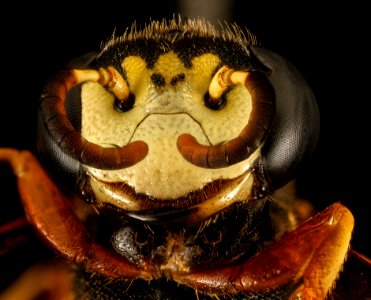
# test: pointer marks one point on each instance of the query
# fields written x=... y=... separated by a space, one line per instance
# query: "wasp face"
x=169 y=102
x=177 y=131
x=200 y=104
x=177 y=136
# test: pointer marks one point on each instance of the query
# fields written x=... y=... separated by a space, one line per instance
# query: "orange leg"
x=49 y=280
x=310 y=256
x=48 y=209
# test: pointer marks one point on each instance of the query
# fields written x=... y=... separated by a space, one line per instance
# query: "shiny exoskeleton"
x=170 y=157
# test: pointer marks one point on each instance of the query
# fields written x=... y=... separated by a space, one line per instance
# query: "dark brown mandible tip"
x=252 y=135
x=72 y=142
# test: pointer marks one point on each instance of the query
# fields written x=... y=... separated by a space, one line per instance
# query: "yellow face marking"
x=169 y=65
x=160 y=114
x=202 y=71
x=134 y=66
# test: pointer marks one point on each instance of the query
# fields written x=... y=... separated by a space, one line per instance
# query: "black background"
x=325 y=43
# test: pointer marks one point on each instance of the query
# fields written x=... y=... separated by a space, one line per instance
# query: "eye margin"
x=294 y=136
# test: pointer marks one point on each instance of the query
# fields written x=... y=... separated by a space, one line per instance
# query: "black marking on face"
x=177 y=78
x=231 y=53
x=158 y=79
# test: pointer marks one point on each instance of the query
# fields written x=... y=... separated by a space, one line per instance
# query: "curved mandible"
x=60 y=129
x=252 y=135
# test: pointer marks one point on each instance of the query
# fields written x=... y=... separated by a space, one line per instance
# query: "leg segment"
x=48 y=209
x=310 y=257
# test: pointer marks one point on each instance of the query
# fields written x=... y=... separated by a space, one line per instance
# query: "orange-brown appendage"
x=310 y=256
x=48 y=209
x=250 y=138
x=60 y=129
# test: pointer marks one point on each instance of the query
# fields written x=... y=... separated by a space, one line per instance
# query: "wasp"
x=165 y=169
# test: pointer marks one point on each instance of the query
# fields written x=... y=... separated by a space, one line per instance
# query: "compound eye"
x=295 y=130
